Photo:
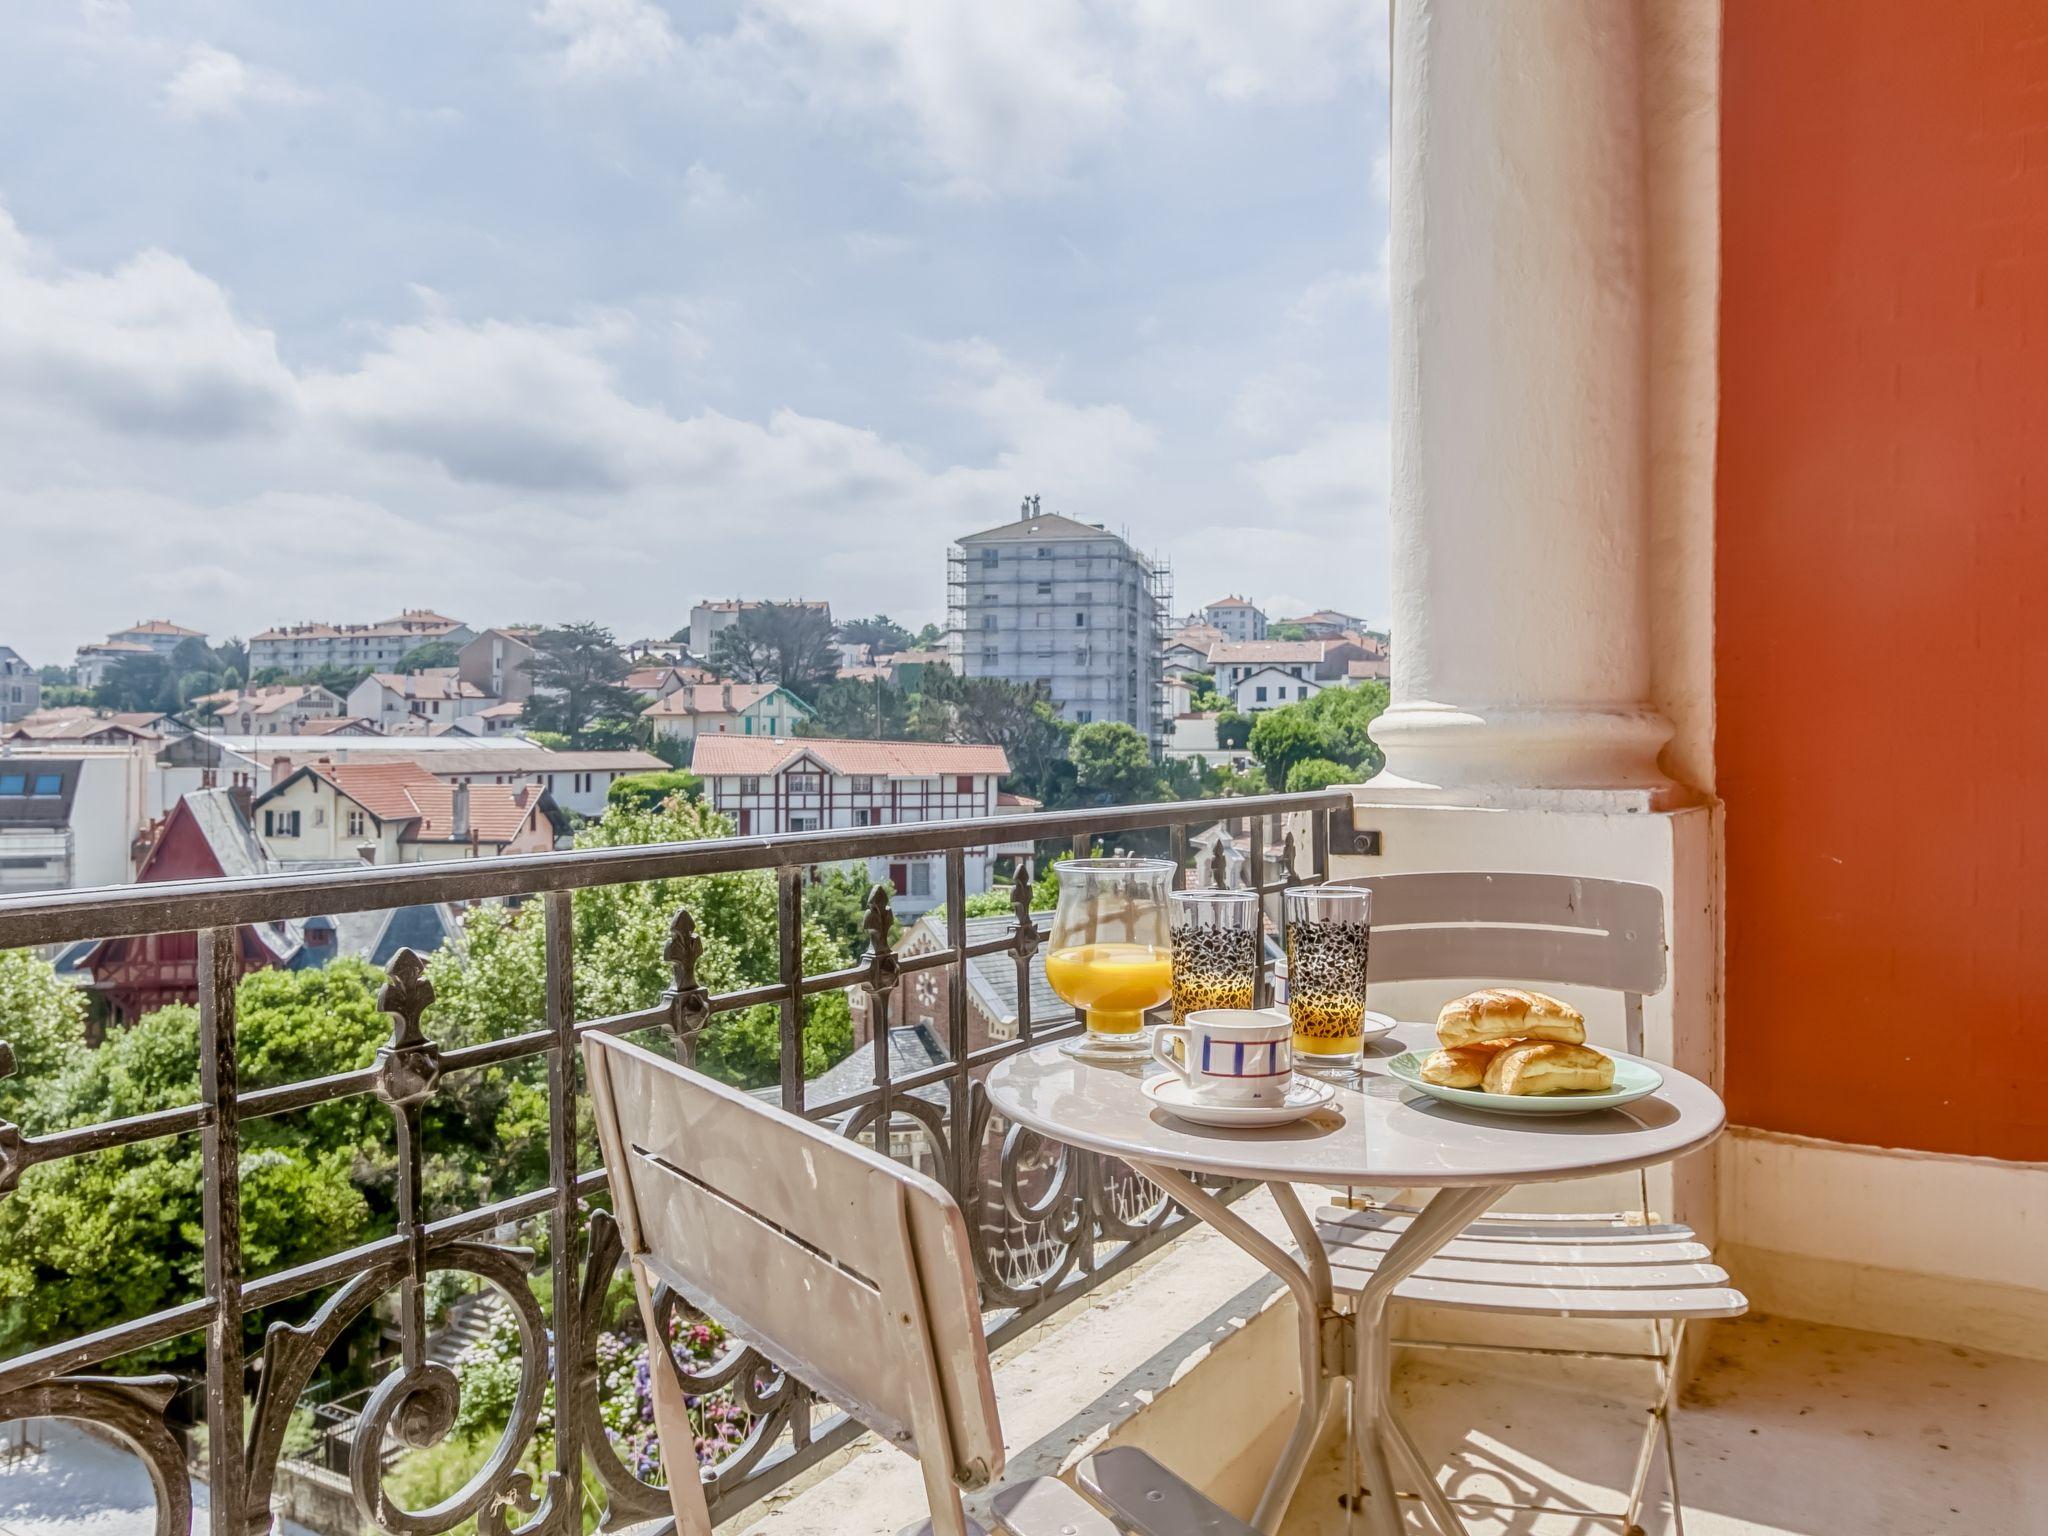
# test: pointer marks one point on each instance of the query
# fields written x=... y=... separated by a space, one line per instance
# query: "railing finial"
x=880 y=923
x=689 y=1004
x=409 y=1067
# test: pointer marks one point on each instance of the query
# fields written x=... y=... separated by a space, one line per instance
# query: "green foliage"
x=431 y=654
x=554 y=741
x=837 y=901
x=1018 y=717
x=138 y=683
x=1112 y=764
x=1286 y=632
x=850 y=708
x=1318 y=773
x=579 y=675
x=647 y=791
x=1332 y=725
x=881 y=634
x=1226 y=781
x=930 y=638
x=93 y=1240
x=786 y=643
x=42 y=1017
x=670 y=749
x=491 y=982
x=1233 y=730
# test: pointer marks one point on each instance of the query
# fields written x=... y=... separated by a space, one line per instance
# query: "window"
x=1042 y=618
x=13 y=783
x=1045 y=589
x=1260 y=693
x=863 y=817
x=920 y=879
x=988 y=621
x=862 y=783
x=319 y=815
x=963 y=784
x=1080 y=621
x=804 y=823
x=990 y=656
x=989 y=557
x=1045 y=552
x=355 y=823
x=48 y=784
x=750 y=785
x=804 y=783
x=1083 y=716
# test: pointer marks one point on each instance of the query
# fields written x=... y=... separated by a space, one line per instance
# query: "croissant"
x=1461 y=1066
x=1548 y=1066
x=1508 y=1013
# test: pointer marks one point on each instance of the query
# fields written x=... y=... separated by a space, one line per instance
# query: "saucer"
x=1305 y=1095
x=1111 y=1050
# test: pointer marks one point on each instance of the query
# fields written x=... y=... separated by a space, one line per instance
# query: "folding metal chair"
x=1534 y=929
x=847 y=1270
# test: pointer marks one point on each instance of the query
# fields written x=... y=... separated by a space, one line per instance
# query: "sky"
x=547 y=310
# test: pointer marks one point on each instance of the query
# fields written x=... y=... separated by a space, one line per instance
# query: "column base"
x=1592 y=759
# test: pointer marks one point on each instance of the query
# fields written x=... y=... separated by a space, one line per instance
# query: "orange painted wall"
x=1882 y=570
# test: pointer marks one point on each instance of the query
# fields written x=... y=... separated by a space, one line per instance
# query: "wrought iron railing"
x=1050 y=1221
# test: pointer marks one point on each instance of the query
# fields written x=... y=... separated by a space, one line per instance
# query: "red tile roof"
x=437 y=683
x=728 y=754
x=1242 y=652
x=711 y=699
x=404 y=791
x=159 y=627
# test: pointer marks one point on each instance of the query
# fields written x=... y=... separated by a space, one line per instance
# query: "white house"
x=741 y=709
x=416 y=701
x=70 y=815
x=284 y=709
x=396 y=812
x=21 y=689
x=1233 y=661
x=814 y=783
x=1268 y=687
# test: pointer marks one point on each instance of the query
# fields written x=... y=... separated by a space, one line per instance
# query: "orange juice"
x=1112 y=983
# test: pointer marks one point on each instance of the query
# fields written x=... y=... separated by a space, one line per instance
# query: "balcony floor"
x=1790 y=1429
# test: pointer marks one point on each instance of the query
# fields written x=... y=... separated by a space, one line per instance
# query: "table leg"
x=1308 y=1278
x=1373 y=1426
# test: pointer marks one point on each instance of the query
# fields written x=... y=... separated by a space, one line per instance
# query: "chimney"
x=459 y=829
x=244 y=797
x=727 y=698
x=280 y=769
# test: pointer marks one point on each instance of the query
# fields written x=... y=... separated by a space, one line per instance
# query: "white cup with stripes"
x=1230 y=1055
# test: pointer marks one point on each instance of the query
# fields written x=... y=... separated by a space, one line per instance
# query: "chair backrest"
x=848 y=1271
x=1563 y=929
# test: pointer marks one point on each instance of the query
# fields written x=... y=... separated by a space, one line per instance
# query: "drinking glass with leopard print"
x=1329 y=934
x=1215 y=950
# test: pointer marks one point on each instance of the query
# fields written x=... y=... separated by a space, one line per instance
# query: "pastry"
x=1508 y=1013
x=1461 y=1066
x=1549 y=1066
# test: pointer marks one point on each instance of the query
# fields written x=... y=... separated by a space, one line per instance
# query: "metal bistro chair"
x=849 y=1271
x=1533 y=929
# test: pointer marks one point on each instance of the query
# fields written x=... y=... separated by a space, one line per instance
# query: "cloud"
x=1343 y=472
x=214 y=83
x=706 y=193
x=1288 y=48
x=151 y=347
x=604 y=39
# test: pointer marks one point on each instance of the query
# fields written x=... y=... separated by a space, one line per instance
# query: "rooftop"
x=710 y=699
x=1249 y=652
x=754 y=755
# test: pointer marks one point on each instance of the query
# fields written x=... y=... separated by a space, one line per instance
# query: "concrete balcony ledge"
x=1788 y=1427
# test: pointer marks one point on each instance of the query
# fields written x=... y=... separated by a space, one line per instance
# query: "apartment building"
x=1235 y=619
x=1069 y=605
x=282 y=709
x=497 y=663
x=301 y=647
x=816 y=783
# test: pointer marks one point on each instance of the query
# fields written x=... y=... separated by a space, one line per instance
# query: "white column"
x=1520 y=577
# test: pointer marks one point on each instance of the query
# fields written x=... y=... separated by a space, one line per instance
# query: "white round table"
x=1377 y=1131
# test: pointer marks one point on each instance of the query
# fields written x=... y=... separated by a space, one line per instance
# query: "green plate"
x=1632 y=1080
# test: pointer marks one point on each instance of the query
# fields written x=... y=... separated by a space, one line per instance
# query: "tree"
x=231 y=656
x=143 y=684
x=92 y=1240
x=1112 y=764
x=930 y=638
x=1018 y=717
x=881 y=634
x=870 y=709
x=649 y=791
x=837 y=901
x=44 y=1024
x=1283 y=737
x=1286 y=632
x=429 y=655
x=579 y=675
x=1318 y=773
x=786 y=643
x=1233 y=729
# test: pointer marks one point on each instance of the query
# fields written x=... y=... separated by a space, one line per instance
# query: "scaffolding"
x=1071 y=606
